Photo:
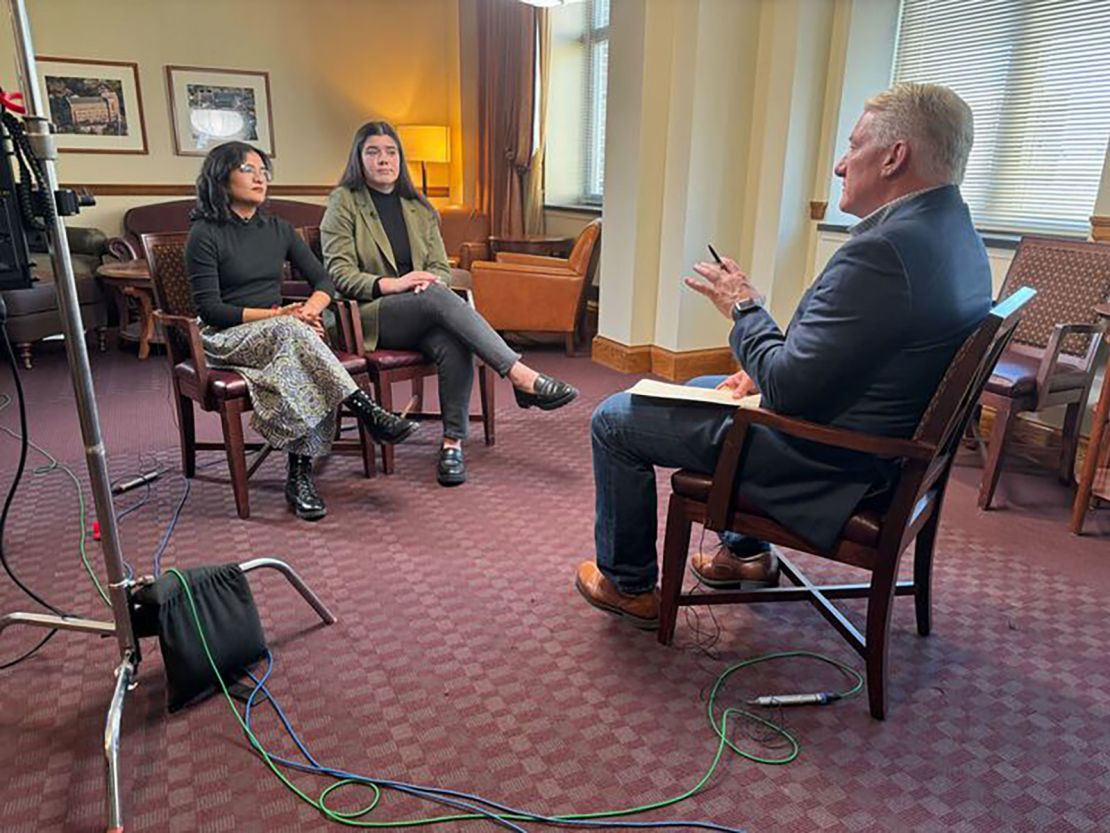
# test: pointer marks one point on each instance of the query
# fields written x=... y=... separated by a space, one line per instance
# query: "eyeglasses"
x=250 y=170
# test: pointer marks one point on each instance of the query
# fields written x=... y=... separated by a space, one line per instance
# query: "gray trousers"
x=447 y=330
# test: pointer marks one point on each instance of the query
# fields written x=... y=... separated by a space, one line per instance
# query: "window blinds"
x=1036 y=74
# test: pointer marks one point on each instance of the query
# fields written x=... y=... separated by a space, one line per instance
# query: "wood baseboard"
x=1100 y=228
x=676 y=366
x=621 y=357
x=1033 y=440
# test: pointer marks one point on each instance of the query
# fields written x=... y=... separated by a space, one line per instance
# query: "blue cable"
x=437 y=794
x=162 y=544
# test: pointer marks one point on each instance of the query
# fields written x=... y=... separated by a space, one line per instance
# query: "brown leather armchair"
x=1051 y=360
x=537 y=294
x=465 y=235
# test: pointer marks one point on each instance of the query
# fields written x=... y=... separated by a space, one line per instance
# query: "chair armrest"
x=1056 y=343
x=84 y=240
x=533 y=260
x=123 y=249
x=471 y=251
x=191 y=333
x=722 y=493
x=293 y=290
x=495 y=266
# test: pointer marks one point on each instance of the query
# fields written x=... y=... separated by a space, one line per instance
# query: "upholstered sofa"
x=465 y=231
x=164 y=217
x=33 y=313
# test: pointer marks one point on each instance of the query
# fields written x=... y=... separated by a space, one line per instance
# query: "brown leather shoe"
x=642 y=609
x=723 y=570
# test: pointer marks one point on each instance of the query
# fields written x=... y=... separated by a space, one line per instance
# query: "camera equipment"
x=22 y=202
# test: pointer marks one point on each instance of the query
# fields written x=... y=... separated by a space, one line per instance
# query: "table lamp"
x=425 y=143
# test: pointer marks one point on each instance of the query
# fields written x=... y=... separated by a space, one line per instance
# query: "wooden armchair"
x=1051 y=360
x=872 y=539
x=213 y=389
x=389 y=366
x=533 y=293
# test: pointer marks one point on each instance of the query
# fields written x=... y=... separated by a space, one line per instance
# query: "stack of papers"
x=686 y=393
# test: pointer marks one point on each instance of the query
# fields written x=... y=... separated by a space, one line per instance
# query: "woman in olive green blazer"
x=382 y=246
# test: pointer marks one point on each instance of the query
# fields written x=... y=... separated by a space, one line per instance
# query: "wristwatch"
x=746 y=305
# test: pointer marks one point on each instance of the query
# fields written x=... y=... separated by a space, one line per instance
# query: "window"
x=1036 y=74
x=575 y=163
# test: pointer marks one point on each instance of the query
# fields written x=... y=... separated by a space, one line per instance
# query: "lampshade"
x=426 y=142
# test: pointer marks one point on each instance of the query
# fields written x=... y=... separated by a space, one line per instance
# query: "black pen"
x=713 y=252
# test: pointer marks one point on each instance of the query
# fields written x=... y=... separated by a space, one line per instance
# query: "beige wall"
x=725 y=120
x=333 y=64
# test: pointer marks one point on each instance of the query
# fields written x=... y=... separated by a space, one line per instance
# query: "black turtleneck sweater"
x=240 y=264
x=392 y=216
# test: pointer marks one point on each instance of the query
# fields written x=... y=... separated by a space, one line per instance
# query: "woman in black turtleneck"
x=234 y=258
x=383 y=246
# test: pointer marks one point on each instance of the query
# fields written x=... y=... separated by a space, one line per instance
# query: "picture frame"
x=210 y=106
x=96 y=106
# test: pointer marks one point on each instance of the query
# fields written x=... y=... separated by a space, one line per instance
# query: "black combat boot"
x=383 y=426
x=300 y=491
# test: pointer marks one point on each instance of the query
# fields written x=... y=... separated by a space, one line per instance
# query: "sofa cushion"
x=43 y=296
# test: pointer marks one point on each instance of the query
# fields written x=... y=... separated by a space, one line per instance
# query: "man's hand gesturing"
x=723 y=284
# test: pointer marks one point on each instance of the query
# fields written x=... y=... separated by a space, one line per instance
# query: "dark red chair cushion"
x=1016 y=374
x=862 y=528
x=394 y=359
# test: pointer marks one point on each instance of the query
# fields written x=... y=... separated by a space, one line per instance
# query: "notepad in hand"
x=687 y=393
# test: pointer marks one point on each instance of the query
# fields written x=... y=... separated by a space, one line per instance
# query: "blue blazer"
x=864 y=351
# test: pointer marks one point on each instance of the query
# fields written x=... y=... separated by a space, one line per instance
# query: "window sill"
x=591 y=210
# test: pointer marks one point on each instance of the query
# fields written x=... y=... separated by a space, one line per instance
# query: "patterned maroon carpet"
x=464 y=658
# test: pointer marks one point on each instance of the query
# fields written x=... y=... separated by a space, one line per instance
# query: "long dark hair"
x=353 y=178
x=213 y=202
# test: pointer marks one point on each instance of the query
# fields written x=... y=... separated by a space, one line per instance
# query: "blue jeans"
x=632 y=435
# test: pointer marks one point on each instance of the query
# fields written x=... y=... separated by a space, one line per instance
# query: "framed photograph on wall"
x=212 y=106
x=96 y=106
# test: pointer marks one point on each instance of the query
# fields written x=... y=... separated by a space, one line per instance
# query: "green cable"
x=350 y=818
x=53 y=465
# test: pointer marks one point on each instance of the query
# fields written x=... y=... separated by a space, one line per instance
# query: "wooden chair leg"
x=485 y=395
x=569 y=343
x=923 y=573
x=187 y=432
x=418 y=393
x=1070 y=446
x=383 y=392
x=231 y=416
x=880 y=605
x=369 y=462
x=1000 y=433
x=676 y=546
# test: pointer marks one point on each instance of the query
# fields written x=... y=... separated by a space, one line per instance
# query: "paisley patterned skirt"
x=295 y=381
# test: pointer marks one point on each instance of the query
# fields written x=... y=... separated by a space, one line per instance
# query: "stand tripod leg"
x=62 y=623
x=124 y=674
x=295 y=580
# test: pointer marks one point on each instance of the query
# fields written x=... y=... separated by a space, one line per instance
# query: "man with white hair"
x=864 y=351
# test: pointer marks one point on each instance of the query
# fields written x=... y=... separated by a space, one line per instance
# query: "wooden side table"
x=131 y=279
x=532 y=244
x=1094 y=481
